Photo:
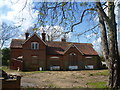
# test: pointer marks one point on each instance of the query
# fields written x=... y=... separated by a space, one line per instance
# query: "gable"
x=35 y=38
x=73 y=48
x=59 y=48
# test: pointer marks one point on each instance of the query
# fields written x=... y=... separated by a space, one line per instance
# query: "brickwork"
x=52 y=54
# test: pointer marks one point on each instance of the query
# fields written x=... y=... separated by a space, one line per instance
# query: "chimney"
x=63 y=39
x=26 y=35
x=43 y=36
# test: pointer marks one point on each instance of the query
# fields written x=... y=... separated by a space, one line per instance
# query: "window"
x=54 y=57
x=55 y=68
x=34 y=45
x=89 y=67
x=88 y=57
x=73 y=67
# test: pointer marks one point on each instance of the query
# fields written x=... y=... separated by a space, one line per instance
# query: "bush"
x=5 y=56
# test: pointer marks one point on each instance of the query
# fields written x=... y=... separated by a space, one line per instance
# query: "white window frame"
x=89 y=67
x=73 y=67
x=33 y=45
x=55 y=57
x=54 y=67
x=88 y=57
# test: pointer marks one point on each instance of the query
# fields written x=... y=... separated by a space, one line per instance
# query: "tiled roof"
x=58 y=48
x=16 y=43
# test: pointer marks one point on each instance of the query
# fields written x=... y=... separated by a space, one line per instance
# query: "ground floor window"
x=54 y=67
x=89 y=67
x=73 y=67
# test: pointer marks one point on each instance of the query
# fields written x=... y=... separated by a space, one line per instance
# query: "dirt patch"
x=63 y=79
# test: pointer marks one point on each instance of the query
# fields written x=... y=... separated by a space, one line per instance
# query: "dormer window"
x=34 y=45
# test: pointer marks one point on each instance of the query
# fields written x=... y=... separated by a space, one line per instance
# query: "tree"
x=7 y=32
x=107 y=25
x=5 y=56
x=110 y=44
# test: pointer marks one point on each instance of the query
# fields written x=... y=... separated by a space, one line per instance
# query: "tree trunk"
x=114 y=72
x=104 y=39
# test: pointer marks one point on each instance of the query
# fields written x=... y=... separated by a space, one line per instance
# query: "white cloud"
x=98 y=41
x=91 y=35
x=17 y=15
x=55 y=32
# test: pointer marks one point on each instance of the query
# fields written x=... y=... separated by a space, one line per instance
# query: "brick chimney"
x=26 y=35
x=43 y=36
x=63 y=39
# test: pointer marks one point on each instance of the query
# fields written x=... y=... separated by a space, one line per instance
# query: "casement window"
x=34 y=45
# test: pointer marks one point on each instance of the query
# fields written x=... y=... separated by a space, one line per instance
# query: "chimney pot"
x=43 y=36
x=26 y=35
x=63 y=40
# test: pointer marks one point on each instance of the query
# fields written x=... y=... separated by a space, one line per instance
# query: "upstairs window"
x=34 y=45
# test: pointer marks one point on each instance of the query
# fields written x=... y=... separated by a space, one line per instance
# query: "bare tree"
x=6 y=33
x=107 y=27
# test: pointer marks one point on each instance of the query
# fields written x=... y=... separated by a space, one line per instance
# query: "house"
x=35 y=53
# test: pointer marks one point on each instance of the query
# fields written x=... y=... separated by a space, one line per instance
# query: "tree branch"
x=88 y=30
x=81 y=19
x=99 y=6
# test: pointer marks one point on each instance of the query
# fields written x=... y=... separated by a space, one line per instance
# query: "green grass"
x=52 y=86
x=97 y=84
x=30 y=72
x=103 y=73
x=6 y=69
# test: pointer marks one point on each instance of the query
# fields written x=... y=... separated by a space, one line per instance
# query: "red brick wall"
x=15 y=52
x=79 y=58
x=28 y=53
x=15 y=64
x=95 y=61
x=54 y=61
x=45 y=61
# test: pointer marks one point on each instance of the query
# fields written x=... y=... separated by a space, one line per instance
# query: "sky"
x=12 y=13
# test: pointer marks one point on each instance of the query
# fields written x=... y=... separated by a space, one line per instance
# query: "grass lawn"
x=97 y=84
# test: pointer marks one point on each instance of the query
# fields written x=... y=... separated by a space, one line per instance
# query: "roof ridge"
x=18 y=39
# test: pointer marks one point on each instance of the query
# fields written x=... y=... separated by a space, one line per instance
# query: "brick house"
x=34 y=53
